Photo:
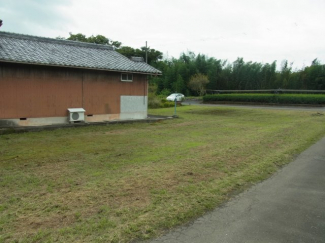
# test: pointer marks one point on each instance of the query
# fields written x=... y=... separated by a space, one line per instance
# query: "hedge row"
x=268 y=98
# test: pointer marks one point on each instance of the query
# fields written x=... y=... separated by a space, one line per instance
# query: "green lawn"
x=118 y=183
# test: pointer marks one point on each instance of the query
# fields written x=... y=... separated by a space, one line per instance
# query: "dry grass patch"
x=130 y=182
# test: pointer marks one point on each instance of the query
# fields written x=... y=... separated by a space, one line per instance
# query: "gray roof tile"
x=46 y=51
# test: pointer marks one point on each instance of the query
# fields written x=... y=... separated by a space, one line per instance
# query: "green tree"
x=98 y=39
x=179 y=85
x=285 y=74
x=313 y=76
x=153 y=55
x=77 y=37
x=126 y=51
x=178 y=73
x=237 y=73
x=198 y=83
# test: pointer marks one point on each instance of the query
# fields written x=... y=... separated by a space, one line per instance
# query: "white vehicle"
x=177 y=96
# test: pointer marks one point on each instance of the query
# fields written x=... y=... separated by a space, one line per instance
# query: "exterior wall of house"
x=40 y=95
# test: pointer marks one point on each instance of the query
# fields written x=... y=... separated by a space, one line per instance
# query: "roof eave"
x=78 y=67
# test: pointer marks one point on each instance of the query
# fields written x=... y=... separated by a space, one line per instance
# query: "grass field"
x=119 y=183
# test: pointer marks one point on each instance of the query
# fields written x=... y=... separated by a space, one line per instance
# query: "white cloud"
x=34 y=17
x=261 y=31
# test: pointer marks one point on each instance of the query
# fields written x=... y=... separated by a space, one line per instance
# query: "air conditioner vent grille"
x=75 y=116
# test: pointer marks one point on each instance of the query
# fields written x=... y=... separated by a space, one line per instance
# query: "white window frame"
x=129 y=77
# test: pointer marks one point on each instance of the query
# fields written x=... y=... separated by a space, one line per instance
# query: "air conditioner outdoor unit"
x=76 y=114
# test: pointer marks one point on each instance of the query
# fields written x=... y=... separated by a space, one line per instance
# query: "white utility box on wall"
x=76 y=114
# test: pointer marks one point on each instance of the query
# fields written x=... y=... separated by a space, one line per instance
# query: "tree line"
x=153 y=56
x=238 y=75
x=189 y=72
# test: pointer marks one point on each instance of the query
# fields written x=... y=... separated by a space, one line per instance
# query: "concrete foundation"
x=44 y=121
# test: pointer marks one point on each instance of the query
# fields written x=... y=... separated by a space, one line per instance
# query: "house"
x=47 y=81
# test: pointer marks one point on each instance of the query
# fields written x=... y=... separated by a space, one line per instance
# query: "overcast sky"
x=257 y=30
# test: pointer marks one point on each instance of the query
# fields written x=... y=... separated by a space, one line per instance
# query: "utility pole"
x=146 y=90
x=146 y=53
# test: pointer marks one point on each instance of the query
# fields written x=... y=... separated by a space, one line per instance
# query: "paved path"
x=288 y=207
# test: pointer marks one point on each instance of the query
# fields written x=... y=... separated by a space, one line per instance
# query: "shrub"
x=268 y=98
x=155 y=101
x=165 y=92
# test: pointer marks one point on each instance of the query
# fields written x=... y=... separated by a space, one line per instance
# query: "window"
x=128 y=77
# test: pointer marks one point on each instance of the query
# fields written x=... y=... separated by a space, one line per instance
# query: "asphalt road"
x=288 y=207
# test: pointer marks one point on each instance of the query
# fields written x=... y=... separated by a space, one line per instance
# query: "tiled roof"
x=52 y=52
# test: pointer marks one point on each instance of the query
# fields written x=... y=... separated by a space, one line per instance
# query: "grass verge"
x=119 y=183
